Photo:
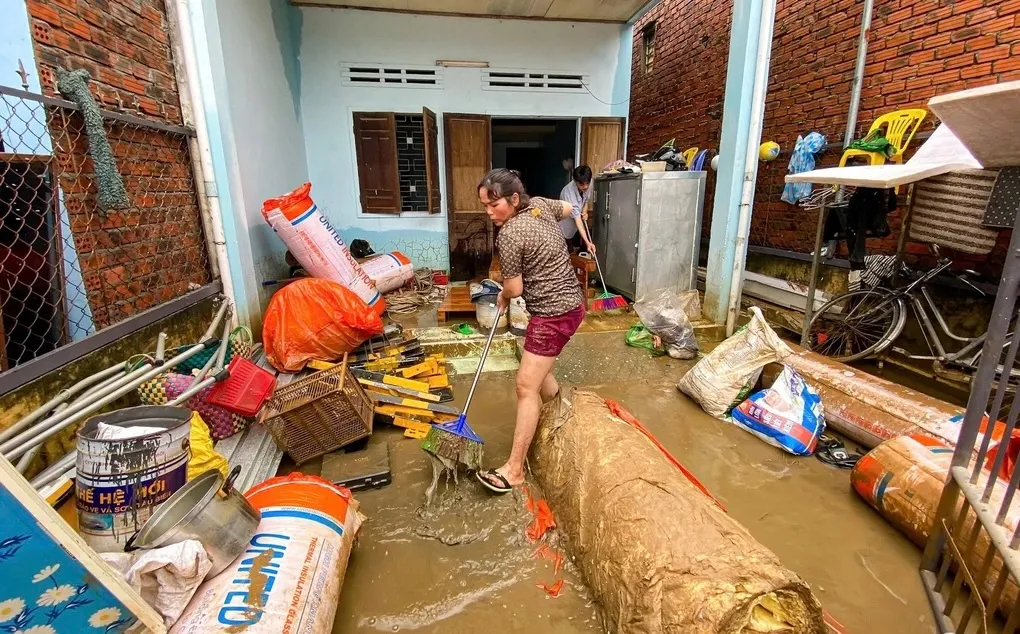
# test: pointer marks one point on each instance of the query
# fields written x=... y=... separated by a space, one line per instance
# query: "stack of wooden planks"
x=410 y=389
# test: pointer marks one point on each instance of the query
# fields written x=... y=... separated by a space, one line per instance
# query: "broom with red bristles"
x=606 y=300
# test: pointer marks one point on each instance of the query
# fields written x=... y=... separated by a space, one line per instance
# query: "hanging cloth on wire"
x=864 y=217
x=875 y=142
x=803 y=160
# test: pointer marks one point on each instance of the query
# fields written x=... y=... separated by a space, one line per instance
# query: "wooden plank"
x=69 y=551
x=984 y=120
x=457 y=300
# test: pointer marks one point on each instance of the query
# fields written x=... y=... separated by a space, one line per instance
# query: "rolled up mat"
x=903 y=479
x=658 y=553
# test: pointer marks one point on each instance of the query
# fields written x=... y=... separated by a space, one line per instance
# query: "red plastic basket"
x=245 y=390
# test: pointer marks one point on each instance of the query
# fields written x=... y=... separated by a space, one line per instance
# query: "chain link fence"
x=68 y=267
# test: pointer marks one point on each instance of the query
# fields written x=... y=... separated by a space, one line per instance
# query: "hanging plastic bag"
x=787 y=415
x=725 y=376
x=640 y=337
x=662 y=315
x=315 y=319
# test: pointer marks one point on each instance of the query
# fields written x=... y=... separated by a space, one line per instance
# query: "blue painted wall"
x=251 y=62
x=331 y=37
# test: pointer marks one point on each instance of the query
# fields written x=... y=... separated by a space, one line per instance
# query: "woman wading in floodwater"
x=535 y=264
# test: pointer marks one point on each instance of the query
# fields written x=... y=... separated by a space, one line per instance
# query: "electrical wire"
x=422 y=292
x=618 y=103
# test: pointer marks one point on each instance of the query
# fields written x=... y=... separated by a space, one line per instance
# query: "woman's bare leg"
x=534 y=382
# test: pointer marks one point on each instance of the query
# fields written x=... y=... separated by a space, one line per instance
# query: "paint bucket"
x=289 y=577
x=120 y=482
x=389 y=271
x=316 y=244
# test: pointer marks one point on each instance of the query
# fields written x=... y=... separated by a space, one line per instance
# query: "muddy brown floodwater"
x=465 y=565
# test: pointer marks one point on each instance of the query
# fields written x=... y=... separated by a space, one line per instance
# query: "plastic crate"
x=245 y=390
x=319 y=414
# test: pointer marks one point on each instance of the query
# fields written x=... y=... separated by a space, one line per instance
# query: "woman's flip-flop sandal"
x=833 y=452
x=483 y=477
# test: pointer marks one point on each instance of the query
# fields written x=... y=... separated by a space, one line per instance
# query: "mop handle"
x=602 y=278
x=481 y=362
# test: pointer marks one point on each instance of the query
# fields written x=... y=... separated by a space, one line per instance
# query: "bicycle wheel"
x=856 y=325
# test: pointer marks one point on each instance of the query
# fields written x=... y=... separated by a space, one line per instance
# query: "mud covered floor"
x=465 y=565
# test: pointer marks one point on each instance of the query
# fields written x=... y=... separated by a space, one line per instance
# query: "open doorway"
x=542 y=150
x=537 y=148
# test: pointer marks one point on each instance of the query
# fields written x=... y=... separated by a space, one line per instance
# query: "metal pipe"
x=194 y=96
x=61 y=397
x=30 y=455
x=21 y=443
x=85 y=401
x=160 y=348
x=755 y=124
x=54 y=471
x=816 y=261
x=858 y=83
x=188 y=117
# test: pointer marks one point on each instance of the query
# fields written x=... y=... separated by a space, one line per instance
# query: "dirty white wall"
x=331 y=37
x=255 y=116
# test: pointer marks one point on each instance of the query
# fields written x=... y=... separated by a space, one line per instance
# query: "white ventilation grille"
x=397 y=76
x=533 y=81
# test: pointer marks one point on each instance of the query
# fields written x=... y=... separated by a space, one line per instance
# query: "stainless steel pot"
x=208 y=509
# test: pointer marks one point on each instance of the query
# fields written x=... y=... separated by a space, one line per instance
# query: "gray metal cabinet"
x=647 y=230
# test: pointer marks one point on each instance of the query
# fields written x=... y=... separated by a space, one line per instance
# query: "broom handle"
x=602 y=278
x=481 y=362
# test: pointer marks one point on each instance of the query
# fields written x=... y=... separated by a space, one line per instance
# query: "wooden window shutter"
x=432 y=160
x=375 y=141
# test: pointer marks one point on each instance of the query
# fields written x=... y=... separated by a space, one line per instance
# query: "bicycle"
x=865 y=323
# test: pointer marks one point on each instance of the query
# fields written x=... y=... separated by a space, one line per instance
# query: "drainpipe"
x=179 y=15
x=761 y=83
x=855 y=92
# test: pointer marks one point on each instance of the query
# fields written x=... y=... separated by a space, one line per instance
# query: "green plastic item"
x=874 y=142
x=639 y=337
x=465 y=329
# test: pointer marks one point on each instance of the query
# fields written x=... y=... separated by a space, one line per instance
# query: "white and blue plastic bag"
x=787 y=415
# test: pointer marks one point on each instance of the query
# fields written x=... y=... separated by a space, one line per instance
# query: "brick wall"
x=917 y=49
x=153 y=250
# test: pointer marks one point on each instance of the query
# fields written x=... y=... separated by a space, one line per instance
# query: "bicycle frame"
x=932 y=337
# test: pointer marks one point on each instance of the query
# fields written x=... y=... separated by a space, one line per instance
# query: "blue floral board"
x=43 y=590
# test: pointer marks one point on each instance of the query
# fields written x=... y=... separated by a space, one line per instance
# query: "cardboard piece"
x=985 y=120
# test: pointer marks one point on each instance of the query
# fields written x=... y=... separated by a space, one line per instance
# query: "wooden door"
x=432 y=160
x=468 y=158
x=375 y=140
x=601 y=141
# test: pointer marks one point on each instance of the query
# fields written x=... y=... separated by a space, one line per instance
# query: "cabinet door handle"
x=633 y=275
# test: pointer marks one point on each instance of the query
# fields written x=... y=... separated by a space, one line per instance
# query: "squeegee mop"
x=455 y=442
x=606 y=300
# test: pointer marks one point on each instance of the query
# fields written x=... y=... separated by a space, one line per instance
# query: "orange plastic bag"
x=315 y=319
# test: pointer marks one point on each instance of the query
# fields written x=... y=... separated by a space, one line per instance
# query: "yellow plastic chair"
x=689 y=154
x=900 y=127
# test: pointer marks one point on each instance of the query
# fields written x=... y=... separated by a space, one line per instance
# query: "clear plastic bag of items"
x=663 y=314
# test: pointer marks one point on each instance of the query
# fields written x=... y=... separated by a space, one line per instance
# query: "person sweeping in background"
x=578 y=193
x=535 y=264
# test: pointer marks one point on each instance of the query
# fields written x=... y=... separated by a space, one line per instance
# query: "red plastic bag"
x=315 y=319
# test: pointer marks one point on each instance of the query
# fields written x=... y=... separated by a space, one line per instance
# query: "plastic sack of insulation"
x=787 y=415
x=317 y=245
x=289 y=577
x=315 y=319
